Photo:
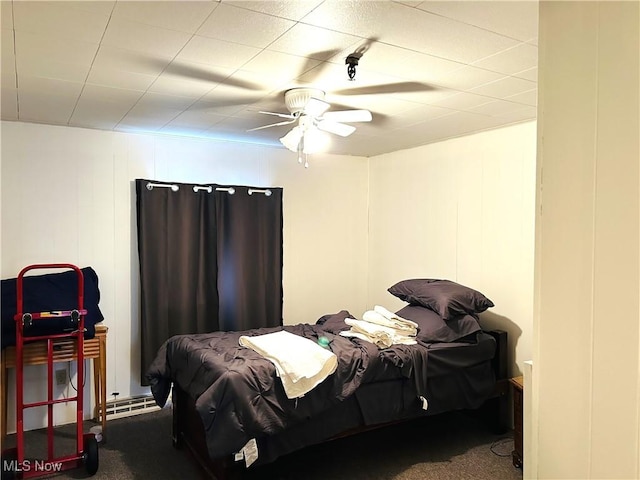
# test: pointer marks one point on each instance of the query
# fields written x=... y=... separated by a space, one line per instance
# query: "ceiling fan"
x=308 y=109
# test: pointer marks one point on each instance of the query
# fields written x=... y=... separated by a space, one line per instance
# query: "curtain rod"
x=207 y=188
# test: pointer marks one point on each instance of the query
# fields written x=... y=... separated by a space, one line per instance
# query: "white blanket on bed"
x=300 y=363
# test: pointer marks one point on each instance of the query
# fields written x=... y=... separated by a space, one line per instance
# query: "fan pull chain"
x=301 y=153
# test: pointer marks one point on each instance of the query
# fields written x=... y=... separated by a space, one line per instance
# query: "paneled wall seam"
x=594 y=227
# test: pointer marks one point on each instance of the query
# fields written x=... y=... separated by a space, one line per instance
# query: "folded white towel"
x=404 y=328
x=300 y=362
x=379 y=341
x=397 y=320
x=380 y=335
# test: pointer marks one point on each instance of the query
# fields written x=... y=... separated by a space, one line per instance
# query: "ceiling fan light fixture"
x=297 y=100
x=315 y=141
x=292 y=139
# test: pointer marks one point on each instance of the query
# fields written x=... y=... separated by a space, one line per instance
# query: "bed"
x=231 y=411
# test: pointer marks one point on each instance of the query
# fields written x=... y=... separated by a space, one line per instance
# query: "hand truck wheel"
x=90 y=455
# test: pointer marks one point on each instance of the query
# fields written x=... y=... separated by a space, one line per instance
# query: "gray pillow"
x=433 y=328
x=448 y=299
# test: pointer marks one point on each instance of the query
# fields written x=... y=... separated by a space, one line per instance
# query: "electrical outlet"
x=61 y=377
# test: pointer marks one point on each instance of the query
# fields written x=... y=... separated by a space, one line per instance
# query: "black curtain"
x=249 y=258
x=209 y=260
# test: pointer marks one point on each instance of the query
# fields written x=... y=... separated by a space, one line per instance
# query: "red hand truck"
x=14 y=463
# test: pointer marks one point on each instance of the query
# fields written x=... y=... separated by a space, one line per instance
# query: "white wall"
x=462 y=209
x=68 y=196
x=586 y=372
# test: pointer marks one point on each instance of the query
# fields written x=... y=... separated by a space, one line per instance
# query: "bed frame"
x=188 y=431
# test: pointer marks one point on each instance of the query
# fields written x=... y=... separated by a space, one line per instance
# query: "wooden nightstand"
x=516 y=455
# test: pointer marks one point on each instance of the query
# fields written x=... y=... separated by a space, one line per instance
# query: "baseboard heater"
x=126 y=407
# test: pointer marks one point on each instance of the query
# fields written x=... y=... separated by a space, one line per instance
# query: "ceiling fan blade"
x=195 y=72
x=400 y=87
x=316 y=63
x=335 y=127
x=281 y=115
x=272 y=125
x=348 y=116
x=316 y=107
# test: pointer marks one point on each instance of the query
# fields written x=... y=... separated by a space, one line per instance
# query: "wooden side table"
x=35 y=353
x=518 y=387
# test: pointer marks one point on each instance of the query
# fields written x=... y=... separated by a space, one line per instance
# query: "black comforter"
x=239 y=396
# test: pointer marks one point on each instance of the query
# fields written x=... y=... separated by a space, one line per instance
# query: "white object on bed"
x=382 y=336
x=381 y=316
x=300 y=362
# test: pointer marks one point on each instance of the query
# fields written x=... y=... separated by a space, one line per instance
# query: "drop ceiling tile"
x=413 y=76
x=30 y=85
x=324 y=45
x=48 y=68
x=423 y=113
x=462 y=101
x=194 y=118
x=211 y=51
x=381 y=104
x=280 y=67
x=529 y=97
x=222 y=106
x=401 y=62
x=230 y=23
x=497 y=108
x=46 y=100
x=32 y=48
x=469 y=77
x=291 y=9
x=529 y=74
x=122 y=60
x=108 y=77
x=98 y=93
x=515 y=59
x=103 y=107
x=514 y=19
x=234 y=95
x=104 y=7
x=153 y=102
x=186 y=87
x=527 y=113
x=333 y=79
x=59 y=19
x=151 y=40
x=133 y=122
x=505 y=87
x=456 y=124
x=404 y=26
x=183 y=16
x=368 y=20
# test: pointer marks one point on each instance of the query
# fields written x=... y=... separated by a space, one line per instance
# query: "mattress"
x=239 y=397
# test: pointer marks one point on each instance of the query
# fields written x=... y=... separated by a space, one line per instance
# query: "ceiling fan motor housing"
x=296 y=99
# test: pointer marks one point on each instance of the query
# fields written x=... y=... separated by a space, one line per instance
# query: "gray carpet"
x=452 y=446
